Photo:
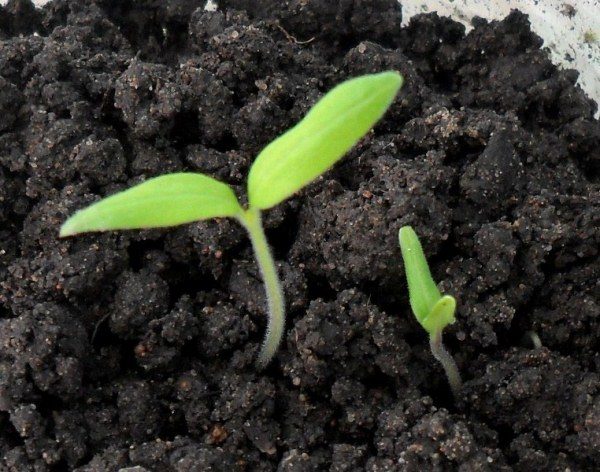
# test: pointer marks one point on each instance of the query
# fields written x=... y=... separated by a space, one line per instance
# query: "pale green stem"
x=251 y=220
x=439 y=352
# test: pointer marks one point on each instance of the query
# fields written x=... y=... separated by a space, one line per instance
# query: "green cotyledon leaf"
x=441 y=315
x=321 y=138
x=422 y=290
x=167 y=200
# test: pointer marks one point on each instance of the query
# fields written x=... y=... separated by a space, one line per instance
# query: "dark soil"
x=134 y=351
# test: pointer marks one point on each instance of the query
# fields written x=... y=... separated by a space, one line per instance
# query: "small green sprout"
x=433 y=311
x=292 y=161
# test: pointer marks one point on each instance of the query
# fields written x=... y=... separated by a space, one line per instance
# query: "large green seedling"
x=292 y=161
x=433 y=311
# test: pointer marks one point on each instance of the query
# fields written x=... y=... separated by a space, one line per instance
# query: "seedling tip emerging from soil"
x=433 y=310
x=332 y=126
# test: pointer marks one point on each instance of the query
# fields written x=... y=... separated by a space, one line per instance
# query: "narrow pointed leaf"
x=326 y=133
x=422 y=290
x=441 y=315
x=167 y=200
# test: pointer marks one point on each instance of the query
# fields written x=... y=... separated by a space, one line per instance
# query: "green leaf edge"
x=94 y=217
x=432 y=310
x=422 y=290
x=441 y=315
x=395 y=82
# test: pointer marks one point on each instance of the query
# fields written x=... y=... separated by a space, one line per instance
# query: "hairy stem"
x=251 y=220
x=439 y=352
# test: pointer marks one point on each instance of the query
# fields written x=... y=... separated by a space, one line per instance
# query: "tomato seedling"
x=293 y=160
x=433 y=311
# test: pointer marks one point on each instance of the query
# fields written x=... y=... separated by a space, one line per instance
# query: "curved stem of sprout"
x=251 y=220
x=439 y=352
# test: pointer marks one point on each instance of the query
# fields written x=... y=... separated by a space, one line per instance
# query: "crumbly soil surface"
x=134 y=351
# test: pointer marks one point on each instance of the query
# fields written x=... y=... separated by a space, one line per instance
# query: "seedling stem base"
x=251 y=220
x=443 y=356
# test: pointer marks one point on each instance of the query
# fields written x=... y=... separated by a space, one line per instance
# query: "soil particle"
x=346 y=337
x=49 y=359
x=495 y=173
x=140 y=298
x=331 y=22
x=19 y=17
x=414 y=435
x=345 y=235
x=223 y=322
x=537 y=392
x=135 y=351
